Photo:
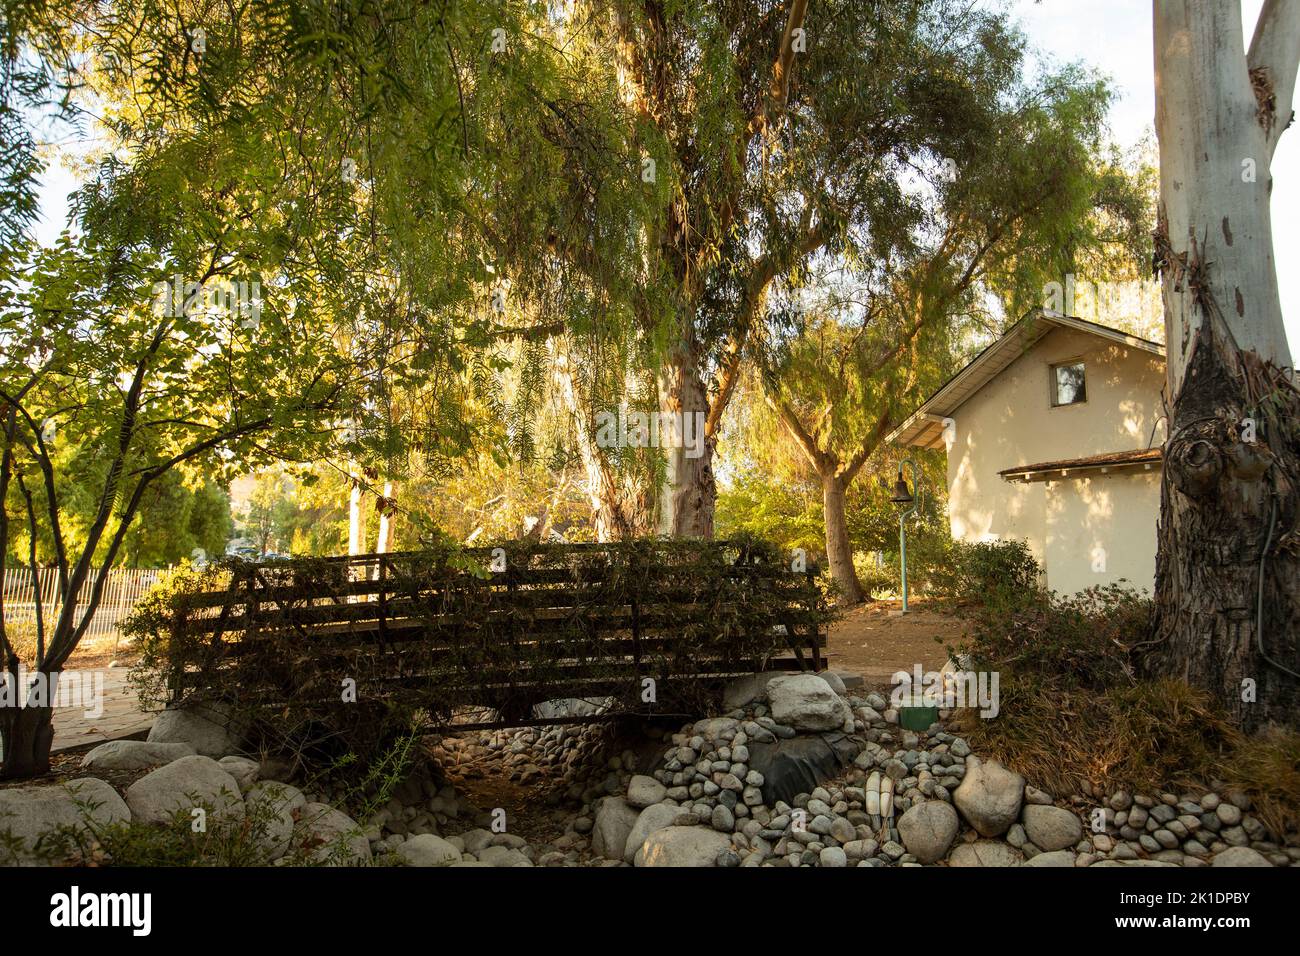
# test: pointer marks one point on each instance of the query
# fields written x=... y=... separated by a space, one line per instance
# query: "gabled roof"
x=924 y=428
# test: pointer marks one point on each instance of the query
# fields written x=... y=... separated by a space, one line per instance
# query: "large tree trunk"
x=26 y=735
x=1227 y=569
x=839 y=553
x=691 y=488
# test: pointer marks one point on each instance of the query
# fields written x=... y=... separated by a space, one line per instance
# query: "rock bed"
x=909 y=799
x=726 y=791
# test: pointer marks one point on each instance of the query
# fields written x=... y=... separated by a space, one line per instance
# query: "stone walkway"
x=121 y=716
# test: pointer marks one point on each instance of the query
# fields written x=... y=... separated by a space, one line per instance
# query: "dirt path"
x=868 y=641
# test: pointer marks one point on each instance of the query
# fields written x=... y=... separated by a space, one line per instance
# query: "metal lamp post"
x=903 y=497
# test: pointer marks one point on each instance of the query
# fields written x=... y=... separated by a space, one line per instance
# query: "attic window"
x=1068 y=384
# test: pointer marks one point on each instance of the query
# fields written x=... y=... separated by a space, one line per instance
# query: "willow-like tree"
x=1228 y=564
x=282 y=147
x=1005 y=185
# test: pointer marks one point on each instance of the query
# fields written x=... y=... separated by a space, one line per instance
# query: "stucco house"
x=1053 y=435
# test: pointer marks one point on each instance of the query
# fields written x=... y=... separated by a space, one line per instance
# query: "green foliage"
x=1084 y=640
x=786 y=513
x=985 y=572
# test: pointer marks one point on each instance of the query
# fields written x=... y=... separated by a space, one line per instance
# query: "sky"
x=1113 y=36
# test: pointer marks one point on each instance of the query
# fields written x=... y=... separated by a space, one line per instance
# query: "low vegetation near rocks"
x=1079 y=712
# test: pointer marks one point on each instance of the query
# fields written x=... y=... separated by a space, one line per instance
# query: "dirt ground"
x=869 y=641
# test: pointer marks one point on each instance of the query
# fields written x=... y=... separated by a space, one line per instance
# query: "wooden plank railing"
x=556 y=621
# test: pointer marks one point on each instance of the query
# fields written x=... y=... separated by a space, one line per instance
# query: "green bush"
x=1085 y=640
x=984 y=572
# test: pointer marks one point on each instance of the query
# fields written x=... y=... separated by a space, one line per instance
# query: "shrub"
x=984 y=571
x=1084 y=640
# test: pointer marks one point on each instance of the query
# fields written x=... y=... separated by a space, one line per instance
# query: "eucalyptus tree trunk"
x=691 y=487
x=1228 y=567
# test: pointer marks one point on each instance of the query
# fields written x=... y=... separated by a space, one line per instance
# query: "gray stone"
x=745 y=690
x=1228 y=814
x=833 y=856
x=984 y=853
x=271 y=805
x=806 y=702
x=181 y=786
x=928 y=829
x=29 y=813
x=331 y=837
x=1053 y=858
x=503 y=856
x=244 y=771
x=657 y=817
x=645 y=791
x=1239 y=856
x=1051 y=828
x=989 y=796
x=833 y=681
x=614 y=821
x=682 y=846
x=134 y=755
x=207 y=728
x=428 y=850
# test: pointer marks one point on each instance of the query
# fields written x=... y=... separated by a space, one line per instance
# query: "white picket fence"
x=123 y=588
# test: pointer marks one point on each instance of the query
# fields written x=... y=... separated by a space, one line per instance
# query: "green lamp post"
x=908 y=505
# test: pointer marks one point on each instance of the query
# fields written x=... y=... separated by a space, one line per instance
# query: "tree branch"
x=1275 y=52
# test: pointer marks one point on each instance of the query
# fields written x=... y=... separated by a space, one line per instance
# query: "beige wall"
x=1011 y=421
x=1102 y=529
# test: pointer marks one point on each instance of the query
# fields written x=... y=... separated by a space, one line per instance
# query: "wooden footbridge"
x=650 y=627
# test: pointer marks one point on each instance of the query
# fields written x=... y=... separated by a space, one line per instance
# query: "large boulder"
x=806 y=702
x=29 y=813
x=1051 y=828
x=180 y=787
x=208 y=728
x=927 y=830
x=331 y=837
x=428 y=850
x=134 y=755
x=683 y=846
x=272 y=806
x=1240 y=856
x=989 y=796
x=614 y=822
x=649 y=820
x=985 y=853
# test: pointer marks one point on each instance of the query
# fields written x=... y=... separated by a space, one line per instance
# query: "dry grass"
x=1150 y=737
